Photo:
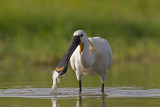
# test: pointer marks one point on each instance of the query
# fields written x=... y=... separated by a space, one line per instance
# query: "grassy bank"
x=38 y=32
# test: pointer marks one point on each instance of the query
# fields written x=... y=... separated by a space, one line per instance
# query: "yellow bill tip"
x=59 y=69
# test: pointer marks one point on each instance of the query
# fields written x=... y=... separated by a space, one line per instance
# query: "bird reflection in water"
x=79 y=102
x=54 y=101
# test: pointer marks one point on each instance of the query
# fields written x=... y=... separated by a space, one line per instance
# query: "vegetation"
x=38 y=32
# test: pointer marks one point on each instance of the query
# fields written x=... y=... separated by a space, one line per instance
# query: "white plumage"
x=93 y=56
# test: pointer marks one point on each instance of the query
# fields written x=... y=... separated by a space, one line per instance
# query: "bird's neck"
x=87 y=57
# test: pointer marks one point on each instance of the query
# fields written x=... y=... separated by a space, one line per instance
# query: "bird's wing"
x=91 y=46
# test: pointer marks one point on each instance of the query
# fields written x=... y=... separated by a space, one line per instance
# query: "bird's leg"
x=103 y=77
x=79 y=78
x=102 y=88
x=80 y=86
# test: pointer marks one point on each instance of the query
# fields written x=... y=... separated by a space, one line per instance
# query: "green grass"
x=38 y=32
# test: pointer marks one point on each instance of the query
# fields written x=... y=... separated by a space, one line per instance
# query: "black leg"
x=102 y=88
x=80 y=86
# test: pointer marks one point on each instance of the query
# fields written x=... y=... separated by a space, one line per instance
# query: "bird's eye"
x=81 y=35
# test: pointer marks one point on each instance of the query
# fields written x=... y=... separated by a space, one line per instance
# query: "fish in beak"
x=61 y=68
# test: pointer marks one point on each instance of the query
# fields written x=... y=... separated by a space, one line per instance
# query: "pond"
x=133 y=84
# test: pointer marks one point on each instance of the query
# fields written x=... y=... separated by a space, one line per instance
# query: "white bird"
x=88 y=56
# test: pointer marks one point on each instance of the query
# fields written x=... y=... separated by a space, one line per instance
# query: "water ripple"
x=117 y=92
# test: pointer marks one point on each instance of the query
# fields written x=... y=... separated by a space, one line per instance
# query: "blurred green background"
x=34 y=34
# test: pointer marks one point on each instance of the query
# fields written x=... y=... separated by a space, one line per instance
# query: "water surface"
x=128 y=85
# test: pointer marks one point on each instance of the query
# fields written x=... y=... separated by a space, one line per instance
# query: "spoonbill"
x=88 y=56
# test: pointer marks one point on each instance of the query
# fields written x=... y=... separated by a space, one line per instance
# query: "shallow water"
x=76 y=102
x=118 y=92
x=90 y=97
x=128 y=85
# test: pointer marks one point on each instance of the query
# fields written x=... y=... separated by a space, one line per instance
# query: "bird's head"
x=79 y=37
x=81 y=34
x=83 y=38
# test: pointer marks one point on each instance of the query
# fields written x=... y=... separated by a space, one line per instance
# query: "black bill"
x=63 y=64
